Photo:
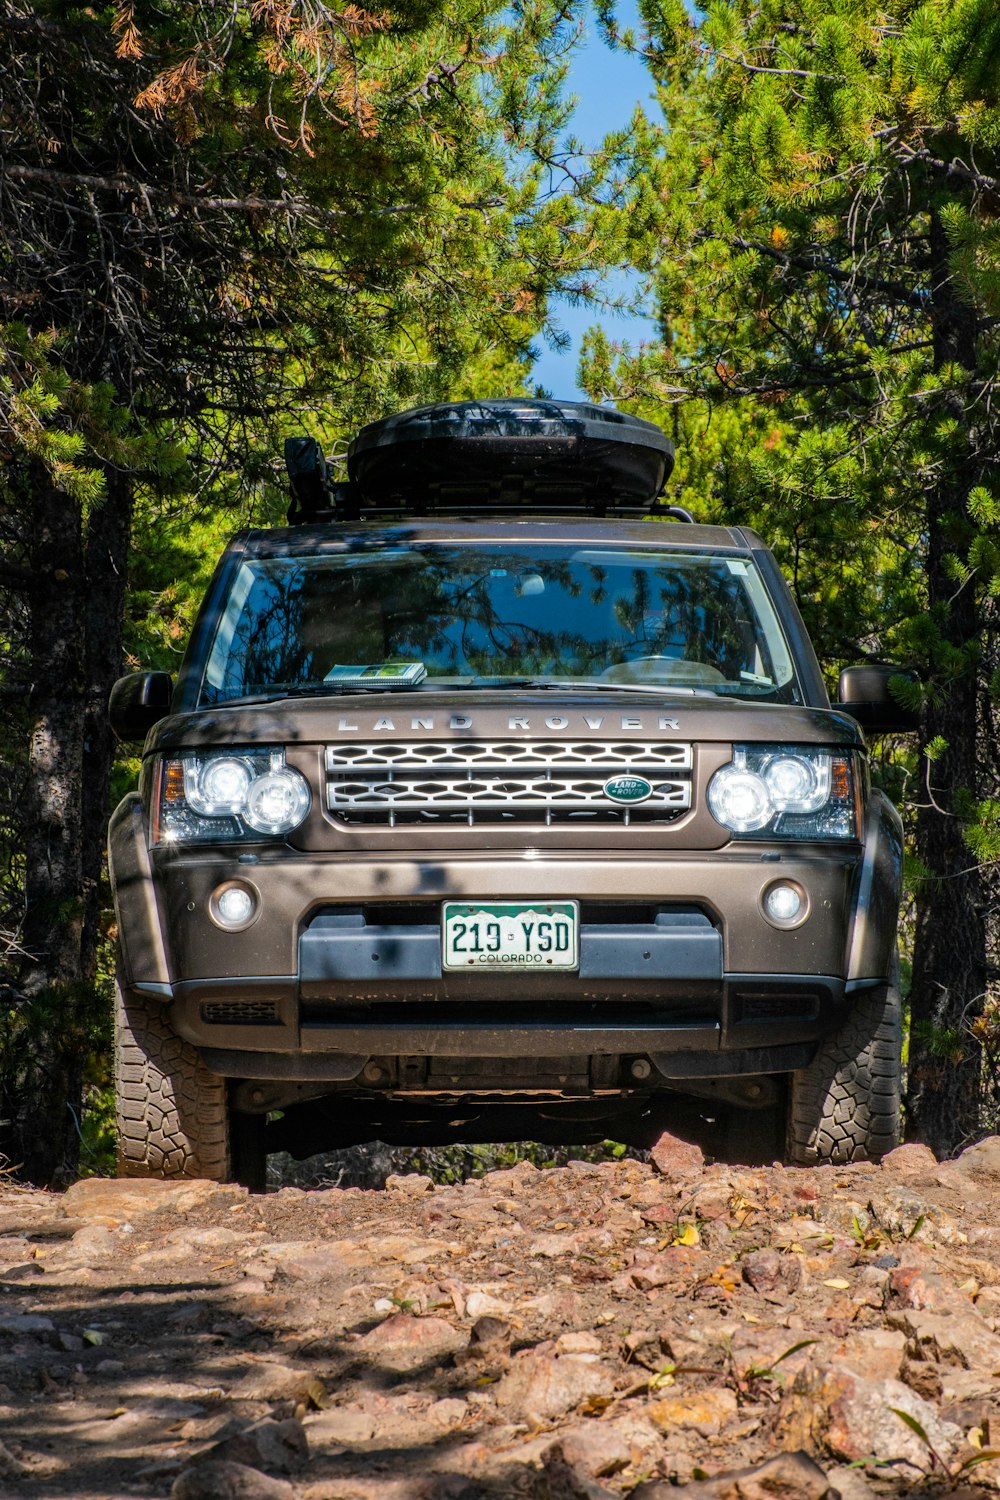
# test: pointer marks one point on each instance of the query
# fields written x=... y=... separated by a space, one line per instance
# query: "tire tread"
x=172 y=1112
x=845 y=1105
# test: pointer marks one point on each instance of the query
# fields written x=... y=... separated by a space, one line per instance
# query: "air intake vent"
x=772 y=1007
x=241 y=1013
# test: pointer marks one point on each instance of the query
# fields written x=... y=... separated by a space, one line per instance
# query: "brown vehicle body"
x=331 y=1004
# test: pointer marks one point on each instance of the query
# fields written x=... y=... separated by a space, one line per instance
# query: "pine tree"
x=828 y=247
x=218 y=223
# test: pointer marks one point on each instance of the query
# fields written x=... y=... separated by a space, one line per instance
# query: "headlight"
x=782 y=792
x=277 y=802
x=211 y=798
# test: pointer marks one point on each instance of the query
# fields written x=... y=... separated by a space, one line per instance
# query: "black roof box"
x=512 y=452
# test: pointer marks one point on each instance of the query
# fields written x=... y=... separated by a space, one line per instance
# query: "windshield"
x=473 y=616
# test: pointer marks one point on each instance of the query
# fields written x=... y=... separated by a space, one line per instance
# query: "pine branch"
x=894 y=289
x=123 y=182
x=953 y=168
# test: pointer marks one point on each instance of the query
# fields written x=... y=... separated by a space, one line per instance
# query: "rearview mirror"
x=139 y=701
x=864 y=694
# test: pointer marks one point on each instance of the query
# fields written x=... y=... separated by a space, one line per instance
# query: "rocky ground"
x=585 y=1332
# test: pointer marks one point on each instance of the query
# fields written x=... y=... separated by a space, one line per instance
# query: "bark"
x=75 y=640
x=46 y=1071
x=949 y=959
x=949 y=955
x=106 y=565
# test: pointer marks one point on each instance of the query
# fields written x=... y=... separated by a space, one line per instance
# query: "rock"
x=831 y=1409
x=772 y=1274
x=914 y=1286
x=275 y=1447
x=921 y=1377
x=788 y=1476
x=871 y=1286
x=273 y=1380
x=677 y=1264
x=851 y=1484
x=675 y=1158
x=90 y=1246
x=402 y=1343
x=580 y=1342
x=552 y=1246
x=410 y=1185
x=562 y=1480
x=540 y=1388
x=341 y=1424
x=706 y=1412
x=481 y=1304
x=874 y=1353
x=602 y=1448
x=489 y=1343
x=121 y=1198
x=311 y=1260
x=195 y=1239
x=21 y=1323
x=448 y=1413
x=405 y=1249
x=910 y=1160
x=982 y=1159
x=216 y=1480
x=962 y=1339
x=511 y=1179
x=11 y=1467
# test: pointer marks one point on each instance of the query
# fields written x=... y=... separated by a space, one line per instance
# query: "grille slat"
x=498 y=781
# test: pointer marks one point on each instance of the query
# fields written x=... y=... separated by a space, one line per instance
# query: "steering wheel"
x=646 y=669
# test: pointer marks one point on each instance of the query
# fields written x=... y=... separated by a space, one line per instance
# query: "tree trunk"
x=47 y=1068
x=949 y=956
x=75 y=636
x=949 y=959
x=106 y=564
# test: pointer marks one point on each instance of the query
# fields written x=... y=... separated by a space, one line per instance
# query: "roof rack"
x=510 y=454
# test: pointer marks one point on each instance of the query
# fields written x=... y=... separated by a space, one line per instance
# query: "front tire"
x=173 y=1115
x=845 y=1105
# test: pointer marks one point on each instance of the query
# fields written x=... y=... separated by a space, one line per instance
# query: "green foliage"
x=828 y=249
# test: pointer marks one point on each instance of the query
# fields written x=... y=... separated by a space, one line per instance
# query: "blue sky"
x=607 y=85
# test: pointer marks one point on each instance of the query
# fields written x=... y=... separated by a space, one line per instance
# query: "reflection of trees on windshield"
x=482 y=612
x=688 y=614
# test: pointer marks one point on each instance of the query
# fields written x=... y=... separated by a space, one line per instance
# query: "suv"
x=485 y=807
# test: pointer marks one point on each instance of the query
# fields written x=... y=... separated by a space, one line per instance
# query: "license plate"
x=540 y=935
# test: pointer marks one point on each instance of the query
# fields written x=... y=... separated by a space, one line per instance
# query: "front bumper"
x=732 y=1042
x=678 y=962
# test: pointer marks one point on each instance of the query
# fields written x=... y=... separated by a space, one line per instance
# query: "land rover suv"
x=496 y=798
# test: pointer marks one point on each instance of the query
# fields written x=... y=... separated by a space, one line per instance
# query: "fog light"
x=783 y=903
x=233 y=906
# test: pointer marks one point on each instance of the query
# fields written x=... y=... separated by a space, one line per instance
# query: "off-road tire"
x=173 y=1117
x=845 y=1105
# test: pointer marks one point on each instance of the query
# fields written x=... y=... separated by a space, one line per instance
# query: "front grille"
x=501 y=781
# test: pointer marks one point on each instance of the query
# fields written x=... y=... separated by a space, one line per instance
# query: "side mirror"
x=864 y=694
x=139 y=701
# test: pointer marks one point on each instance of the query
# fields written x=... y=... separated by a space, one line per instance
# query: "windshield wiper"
x=562 y=684
x=309 y=690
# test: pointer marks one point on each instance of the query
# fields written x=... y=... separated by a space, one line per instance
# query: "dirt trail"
x=589 y=1331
